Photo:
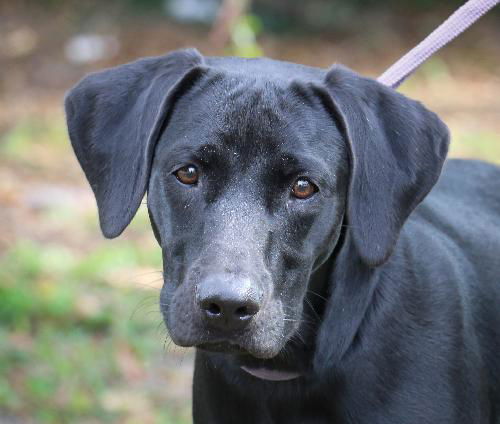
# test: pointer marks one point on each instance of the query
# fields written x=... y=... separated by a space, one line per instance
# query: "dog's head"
x=252 y=168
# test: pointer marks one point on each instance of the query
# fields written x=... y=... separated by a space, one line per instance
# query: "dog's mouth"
x=241 y=348
x=252 y=367
x=223 y=347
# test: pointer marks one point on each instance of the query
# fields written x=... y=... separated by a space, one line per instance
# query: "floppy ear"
x=397 y=148
x=114 y=120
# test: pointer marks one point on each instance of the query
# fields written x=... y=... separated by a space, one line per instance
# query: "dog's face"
x=247 y=197
x=251 y=169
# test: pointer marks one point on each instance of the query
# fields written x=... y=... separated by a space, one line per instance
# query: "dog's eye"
x=303 y=188
x=187 y=174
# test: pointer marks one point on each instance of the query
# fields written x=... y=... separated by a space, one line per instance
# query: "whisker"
x=312 y=308
x=159 y=326
x=142 y=304
x=149 y=285
x=155 y=271
x=318 y=295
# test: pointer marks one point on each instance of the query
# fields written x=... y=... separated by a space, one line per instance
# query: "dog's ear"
x=397 y=149
x=114 y=120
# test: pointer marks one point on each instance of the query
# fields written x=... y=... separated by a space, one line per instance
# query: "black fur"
x=382 y=293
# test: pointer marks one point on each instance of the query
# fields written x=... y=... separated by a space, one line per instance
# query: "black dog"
x=299 y=259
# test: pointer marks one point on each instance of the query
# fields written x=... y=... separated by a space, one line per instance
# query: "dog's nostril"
x=213 y=309
x=246 y=311
x=241 y=312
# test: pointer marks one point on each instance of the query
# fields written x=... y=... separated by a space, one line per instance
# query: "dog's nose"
x=226 y=302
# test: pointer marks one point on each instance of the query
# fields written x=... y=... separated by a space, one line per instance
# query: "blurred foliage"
x=293 y=15
x=244 y=37
x=337 y=15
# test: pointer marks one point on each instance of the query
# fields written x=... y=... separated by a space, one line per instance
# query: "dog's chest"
x=296 y=410
x=288 y=403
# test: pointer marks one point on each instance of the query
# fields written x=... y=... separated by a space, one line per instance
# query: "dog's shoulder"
x=460 y=219
x=468 y=186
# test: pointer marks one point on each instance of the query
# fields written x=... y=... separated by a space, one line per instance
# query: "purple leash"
x=458 y=22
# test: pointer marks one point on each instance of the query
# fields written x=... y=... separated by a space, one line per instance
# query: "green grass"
x=64 y=329
x=35 y=142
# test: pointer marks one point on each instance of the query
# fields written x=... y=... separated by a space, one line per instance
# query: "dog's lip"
x=270 y=374
x=223 y=347
x=233 y=349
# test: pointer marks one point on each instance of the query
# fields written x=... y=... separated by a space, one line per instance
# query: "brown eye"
x=187 y=174
x=303 y=188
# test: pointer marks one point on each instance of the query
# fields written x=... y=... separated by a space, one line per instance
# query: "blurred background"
x=81 y=337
